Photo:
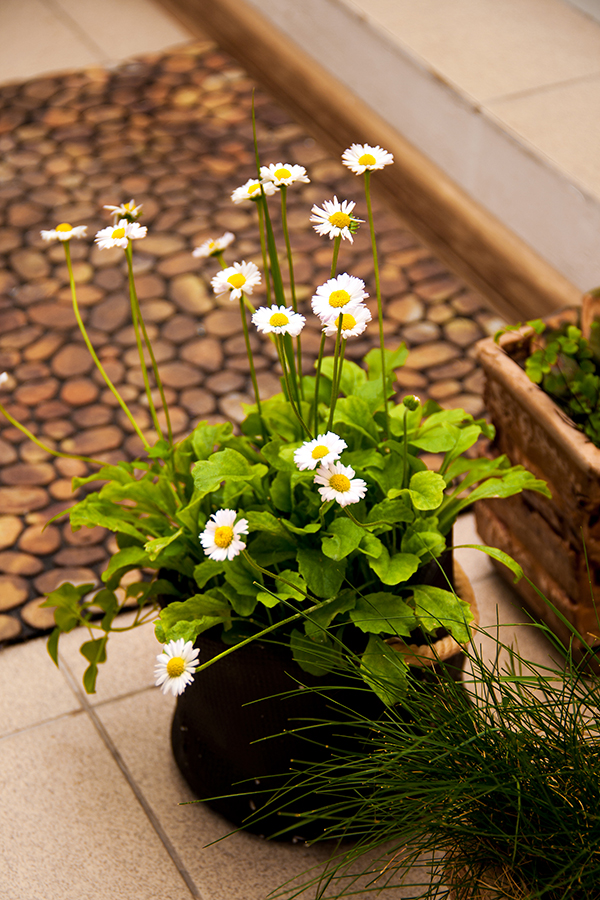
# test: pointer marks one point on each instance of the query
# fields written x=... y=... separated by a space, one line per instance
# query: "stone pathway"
x=173 y=131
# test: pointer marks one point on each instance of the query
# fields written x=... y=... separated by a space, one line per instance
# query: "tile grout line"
x=150 y=814
x=540 y=89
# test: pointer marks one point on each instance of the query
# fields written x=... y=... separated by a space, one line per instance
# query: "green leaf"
x=353 y=376
x=394 y=359
x=385 y=613
x=323 y=577
x=265 y=521
x=206 y=438
x=206 y=570
x=427 y=490
x=67 y=599
x=423 y=537
x=201 y=611
x=281 y=491
x=284 y=591
x=93 y=510
x=436 y=440
x=371 y=546
x=394 y=511
x=318 y=621
x=341 y=538
x=95 y=652
x=500 y=555
x=52 y=645
x=384 y=670
x=155 y=547
x=395 y=569
x=436 y=608
x=129 y=557
x=310 y=528
x=242 y=604
x=226 y=465
x=314 y=657
x=354 y=412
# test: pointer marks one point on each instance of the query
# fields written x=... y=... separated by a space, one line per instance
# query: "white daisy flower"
x=214 y=247
x=3 y=378
x=64 y=232
x=251 y=191
x=127 y=210
x=238 y=278
x=360 y=157
x=120 y=235
x=335 y=218
x=221 y=537
x=322 y=451
x=283 y=173
x=353 y=323
x=340 y=484
x=175 y=667
x=340 y=294
x=278 y=320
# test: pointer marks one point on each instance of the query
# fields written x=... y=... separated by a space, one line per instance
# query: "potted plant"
x=487 y=790
x=317 y=519
x=542 y=392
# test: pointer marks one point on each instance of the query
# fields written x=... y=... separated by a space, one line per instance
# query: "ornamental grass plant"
x=480 y=789
x=317 y=516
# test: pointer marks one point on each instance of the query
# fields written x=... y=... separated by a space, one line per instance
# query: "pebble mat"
x=172 y=131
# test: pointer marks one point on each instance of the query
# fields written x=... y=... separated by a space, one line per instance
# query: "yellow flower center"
x=64 y=226
x=282 y=173
x=118 y=233
x=129 y=206
x=339 y=298
x=339 y=483
x=253 y=188
x=175 y=667
x=348 y=321
x=237 y=281
x=320 y=451
x=278 y=320
x=340 y=219
x=367 y=159
x=223 y=536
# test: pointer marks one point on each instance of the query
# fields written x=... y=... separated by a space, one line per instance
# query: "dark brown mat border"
x=479 y=248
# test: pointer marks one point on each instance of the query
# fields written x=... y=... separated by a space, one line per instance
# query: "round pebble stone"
x=40 y=540
x=10 y=628
x=10 y=529
x=84 y=537
x=52 y=579
x=14 y=590
x=15 y=563
x=38 y=616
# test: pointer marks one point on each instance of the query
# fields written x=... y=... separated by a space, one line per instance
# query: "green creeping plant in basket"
x=315 y=520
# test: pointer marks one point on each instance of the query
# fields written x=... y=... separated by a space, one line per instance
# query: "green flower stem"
x=336 y=252
x=32 y=437
x=136 y=320
x=379 y=304
x=93 y=353
x=336 y=362
x=263 y=244
x=405 y=443
x=317 y=379
x=297 y=413
x=290 y=259
x=368 y=524
x=251 y=364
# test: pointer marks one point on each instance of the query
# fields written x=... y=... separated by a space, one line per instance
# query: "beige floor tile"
x=131 y=656
x=563 y=123
x=241 y=867
x=32 y=689
x=488 y=48
x=33 y=39
x=475 y=563
x=71 y=827
x=502 y=618
x=125 y=29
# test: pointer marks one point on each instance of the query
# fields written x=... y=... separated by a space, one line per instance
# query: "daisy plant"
x=318 y=516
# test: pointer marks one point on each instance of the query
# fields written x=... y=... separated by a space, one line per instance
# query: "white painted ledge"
x=503 y=95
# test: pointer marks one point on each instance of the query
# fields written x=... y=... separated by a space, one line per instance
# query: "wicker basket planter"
x=545 y=536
